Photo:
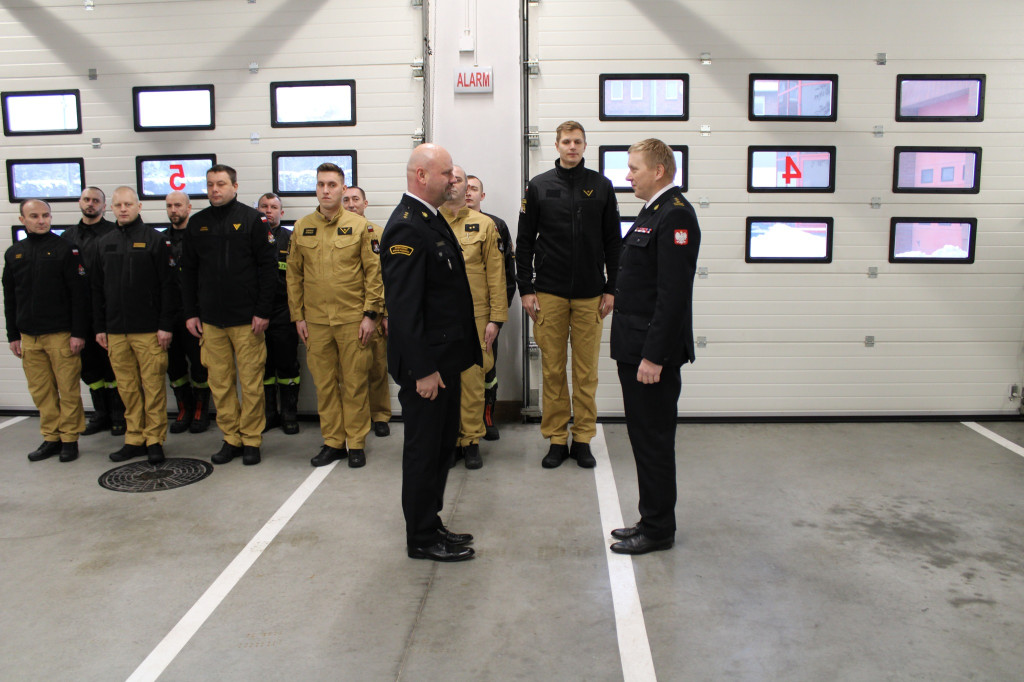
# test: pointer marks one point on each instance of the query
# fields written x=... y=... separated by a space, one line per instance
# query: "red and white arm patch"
x=682 y=237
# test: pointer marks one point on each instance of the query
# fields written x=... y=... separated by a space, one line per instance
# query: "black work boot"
x=226 y=453
x=155 y=453
x=557 y=453
x=582 y=454
x=490 y=397
x=473 y=459
x=186 y=406
x=127 y=452
x=273 y=417
x=289 y=408
x=201 y=417
x=100 y=419
x=118 y=426
x=49 y=448
x=69 y=451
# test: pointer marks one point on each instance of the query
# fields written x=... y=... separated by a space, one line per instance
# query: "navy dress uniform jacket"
x=654 y=291
x=431 y=327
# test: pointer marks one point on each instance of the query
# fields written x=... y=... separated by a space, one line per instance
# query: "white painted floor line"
x=11 y=422
x=634 y=647
x=179 y=636
x=995 y=438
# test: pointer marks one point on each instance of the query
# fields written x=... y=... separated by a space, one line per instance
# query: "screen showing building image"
x=789 y=240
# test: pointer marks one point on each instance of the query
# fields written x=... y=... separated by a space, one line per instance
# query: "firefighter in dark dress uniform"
x=432 y=339
x=652 y=337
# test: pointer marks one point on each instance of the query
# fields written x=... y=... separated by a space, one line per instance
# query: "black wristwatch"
x=372 y=314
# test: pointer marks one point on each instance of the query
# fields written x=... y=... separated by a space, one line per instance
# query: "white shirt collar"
x=655 y=197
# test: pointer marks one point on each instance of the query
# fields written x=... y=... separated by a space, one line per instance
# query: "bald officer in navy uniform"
x=652 y=337
x=432 y=339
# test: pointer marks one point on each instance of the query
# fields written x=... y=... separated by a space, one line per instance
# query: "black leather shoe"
x=472 y=455
x=455 y=539
x=226 y=453
x=155 y=453
x=381 y=429
x=327 y=455
x=581 y=453
x=356 y=458
x=641 y=544
x=127 y=452
x=626 y=533
x=557 y=453
x=250 y=455
x=442 y=551
x=49 y=448
x=68 y=452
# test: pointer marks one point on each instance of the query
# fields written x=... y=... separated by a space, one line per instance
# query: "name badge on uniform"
x=138 y=245
x=344 y=230
x=475 y=227
x=682 y=237
x=204 y=228
x=308 y=231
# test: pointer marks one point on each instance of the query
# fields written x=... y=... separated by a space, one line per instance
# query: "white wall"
x=483 y=131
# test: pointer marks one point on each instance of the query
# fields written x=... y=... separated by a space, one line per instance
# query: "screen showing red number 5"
x=177 y=180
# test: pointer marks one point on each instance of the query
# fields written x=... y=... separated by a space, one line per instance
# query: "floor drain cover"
x=143 y=477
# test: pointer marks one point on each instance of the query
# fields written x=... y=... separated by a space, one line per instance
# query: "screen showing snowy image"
x=50 y=179
x=295 y=172
x=937 y=170
x=186 y=107
x=312 y=103
x=51 y=112
x=789 y=240
x=158 y=176
x=614 y=160
x=791 y=169
x=932 y=240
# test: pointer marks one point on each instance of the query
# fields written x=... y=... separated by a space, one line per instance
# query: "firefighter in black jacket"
x=185 y=368
x=108 y=411
x=568 y=240
x=281 y=374
x=46 y=304
x=135 y=299
x=652 y=337
x=432 y=339
x=474 y=195
x=228 y=281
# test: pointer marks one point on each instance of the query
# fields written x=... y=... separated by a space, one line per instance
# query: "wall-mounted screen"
x=644 y=96
x=158 y=176
x=791 y=169
x=42 y=112
x=300 y=104
x=614 y=165
x=788 y=239
x=173 y=107
x=937 y=170
x=50 y=179
x=940 y=98
x=295 y=172
x=793 y=97
x=18 y=232
x=932 y=240
x=625 y=223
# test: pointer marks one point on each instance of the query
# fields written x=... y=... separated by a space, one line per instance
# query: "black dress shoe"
x=641 y=544
x=155 y=453
x=442 y=551
x=472 y=455
x=68 y=452
x=626 y=533
x=49 y=448
x=381 y=429
x=356 y=458
x=127 y=452
x=327 y=455
x=226 y=453
x=581 y=453
x=250 y=455
x=455 y=539
x=557 y=453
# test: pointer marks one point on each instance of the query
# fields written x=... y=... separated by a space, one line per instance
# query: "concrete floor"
x=805 y=552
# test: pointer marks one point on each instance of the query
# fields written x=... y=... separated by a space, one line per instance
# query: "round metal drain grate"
x=143 y=477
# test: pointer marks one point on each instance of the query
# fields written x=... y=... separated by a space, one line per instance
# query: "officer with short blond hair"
x=485 y=271
x=46 y=306
x=336 y=294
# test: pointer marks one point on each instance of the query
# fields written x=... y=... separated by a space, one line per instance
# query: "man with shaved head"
x=432 y=340
x=185 y=368
x=46 y=303
x=135 y=301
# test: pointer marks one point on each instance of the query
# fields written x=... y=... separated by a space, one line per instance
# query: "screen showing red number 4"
x=792 y=170
x=178 y=173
